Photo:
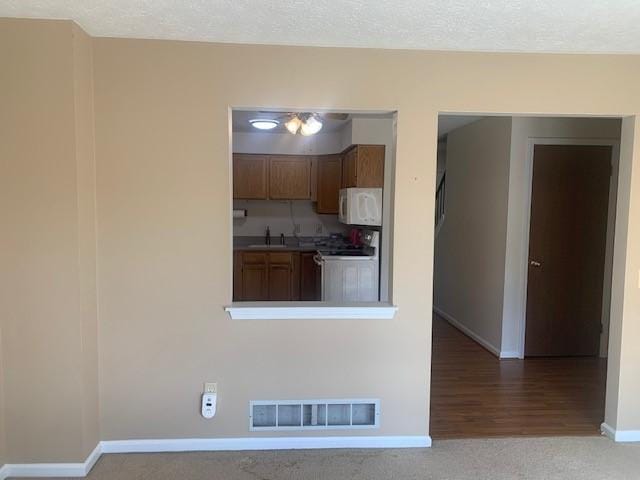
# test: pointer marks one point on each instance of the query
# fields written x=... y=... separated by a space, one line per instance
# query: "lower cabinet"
x=266 y=276
x=284 y=276
x=310 y=277
x=255 y=282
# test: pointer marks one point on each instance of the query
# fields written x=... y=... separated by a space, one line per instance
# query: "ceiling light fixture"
x=264 y=123
x=293 y=124
x=305 y=123
x=310 y=126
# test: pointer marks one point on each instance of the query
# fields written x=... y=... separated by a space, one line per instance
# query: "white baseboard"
x=486 y=344
x=52 y=469
x=208 y=445
x=509 y=354
x=620 y=435
x=262 y=443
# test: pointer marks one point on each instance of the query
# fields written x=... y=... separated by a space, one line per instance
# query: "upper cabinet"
x=290 y=177
x=363 y=166
x=307 y=177
x=328 y=181
x=250 y=176
x=281 y=177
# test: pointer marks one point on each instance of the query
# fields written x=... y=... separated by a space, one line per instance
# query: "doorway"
x=567 y=248
x=546 y=184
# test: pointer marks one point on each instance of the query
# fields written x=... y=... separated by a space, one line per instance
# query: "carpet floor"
x=583 y=458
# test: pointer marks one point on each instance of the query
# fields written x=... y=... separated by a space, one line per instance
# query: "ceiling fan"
x=307 y=123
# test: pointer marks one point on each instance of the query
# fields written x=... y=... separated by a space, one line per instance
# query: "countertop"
x=292 y=244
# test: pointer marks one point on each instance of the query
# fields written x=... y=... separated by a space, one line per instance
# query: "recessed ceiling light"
x=263 y=123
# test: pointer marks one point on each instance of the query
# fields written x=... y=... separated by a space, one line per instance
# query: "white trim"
x=310 y=311
x=620 y=435
x=262 y=443
x=531 y=143
x=52 y=469
x=485 y=343
x=607 y=431
x=510 y=354
x=208 y=445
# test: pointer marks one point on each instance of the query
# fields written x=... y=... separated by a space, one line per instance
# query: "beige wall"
x=164 y=233
x=469 y=254
x=3 y=440
x=165 y=254
x=629 y=386
x=163 y=198
x=46 y=256
x=623 y=388
x=86 y=226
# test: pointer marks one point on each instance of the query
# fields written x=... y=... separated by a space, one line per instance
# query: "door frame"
x=611 y=220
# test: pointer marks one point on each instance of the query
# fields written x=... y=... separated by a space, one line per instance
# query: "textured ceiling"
x=488 y=25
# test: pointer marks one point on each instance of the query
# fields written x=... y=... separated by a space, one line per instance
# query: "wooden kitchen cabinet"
x=363 y=166
x=283 y=275
x=310 y=277
x=266 y=276
x=250 y=176
x=290 y=177
x=254 y=271
x=328 y=181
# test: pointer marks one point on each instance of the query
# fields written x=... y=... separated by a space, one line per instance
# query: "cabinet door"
x=370 y=166
x=237 y=276
x=280 y=281
x=254 y=282
x=349 y=168
x=329 y=180
x=290 y=177
x=255 y=279
x=309 y=277
x=250 y=176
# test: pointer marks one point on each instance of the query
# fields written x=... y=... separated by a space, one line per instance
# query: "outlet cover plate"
x=210 y=387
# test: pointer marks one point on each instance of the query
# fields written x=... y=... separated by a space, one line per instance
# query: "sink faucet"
x=267 y=237
x=282 y=239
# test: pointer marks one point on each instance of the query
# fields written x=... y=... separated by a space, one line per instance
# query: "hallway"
x=475 y=395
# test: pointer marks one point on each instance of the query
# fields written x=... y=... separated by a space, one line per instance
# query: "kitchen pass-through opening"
x=312 y=207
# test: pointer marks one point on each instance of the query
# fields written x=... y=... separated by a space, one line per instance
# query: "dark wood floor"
x=474 y=395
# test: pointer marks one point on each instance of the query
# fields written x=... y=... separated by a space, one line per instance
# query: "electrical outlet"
x=210 y=387
x=296 y=228
x=318 y=229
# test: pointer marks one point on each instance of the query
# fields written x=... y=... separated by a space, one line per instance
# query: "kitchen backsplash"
x=277 y=215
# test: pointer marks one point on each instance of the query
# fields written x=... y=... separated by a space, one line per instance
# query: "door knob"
x=533 y=263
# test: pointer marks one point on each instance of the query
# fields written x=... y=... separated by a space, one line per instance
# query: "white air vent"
x=313 y=414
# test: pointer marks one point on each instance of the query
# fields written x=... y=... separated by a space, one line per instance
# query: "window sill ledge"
x=311 y=311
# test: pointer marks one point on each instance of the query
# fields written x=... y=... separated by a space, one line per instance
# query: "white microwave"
x=360 y=206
